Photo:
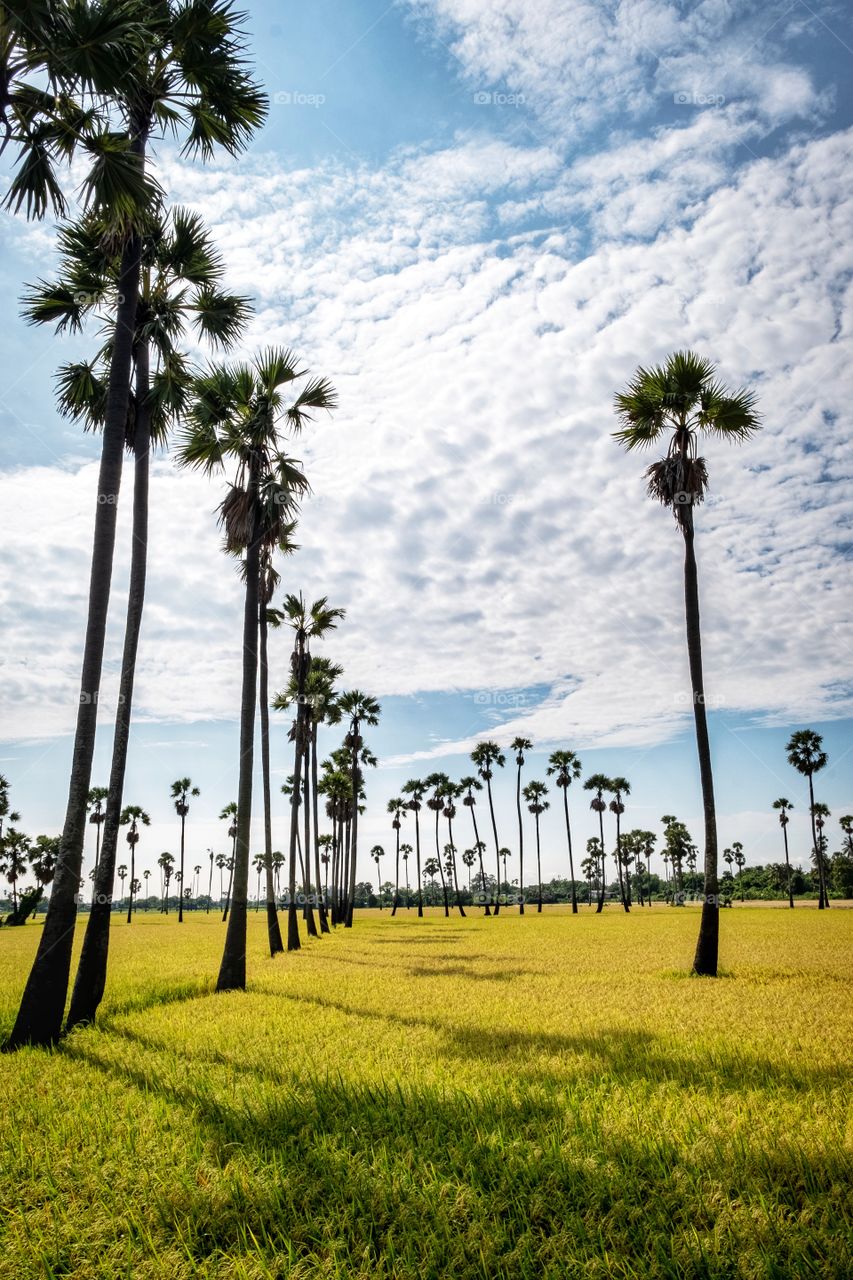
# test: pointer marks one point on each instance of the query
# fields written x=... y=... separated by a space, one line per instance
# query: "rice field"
x=539 y=1097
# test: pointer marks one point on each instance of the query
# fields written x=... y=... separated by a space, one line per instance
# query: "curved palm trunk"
x=227 y=904
x=708 y=942
x=788 y=867
x=497 y=844
x=569 y=838
x=273 y=928
x=232 y=970
x=97 y=845
x=418 y=864
x=39 y=1019
x=315 y=804
x=521 y=846
x=91 y=979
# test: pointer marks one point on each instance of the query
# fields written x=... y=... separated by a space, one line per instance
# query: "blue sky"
x=477 y=218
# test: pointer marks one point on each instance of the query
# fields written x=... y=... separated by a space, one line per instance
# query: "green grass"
x=546 y=1097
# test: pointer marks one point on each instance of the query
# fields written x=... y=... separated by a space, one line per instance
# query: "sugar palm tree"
x=146 y=876
x=359 y=709
x=683 y=400
x=397 y=809
x=470 y=783
x=469 y=857
x=259 y=863
x=450 y=793
x=806 y=754
x=186 y=69
x=234 y=415
x=97 y=813
x=376 y=853
x=534 y=794
x=229 y=815
x=165 y=862
x=740 y=861
x=519 y=746
x=504 y=853
x=486 y=757
x=405 y=852
x=820 y=813
x=599 y=783
x=620 y=787
x=122 y=875
x=437 y=782
x=565 y=767
x=15 y=850
x=783 y=808
x=182 y=790
x=415 y=790
x=133 y=817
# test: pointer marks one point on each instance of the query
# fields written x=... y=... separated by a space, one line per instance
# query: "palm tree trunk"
x=232 y=970
x=453 y=865
x=440 y=867
x=91 y=979
x=708 y=943
x=306 y=813
x=418 y=862
x=788 y=868
x=396 y=871
x=315 y=804
x=181 y=894
x=293 y=942
x=538 y=866
x=487 y=911
x=622 y=888
x=520 y=845
x=822 y=901
x=132 y=876
x=39 y=1019
x=273 y=928
x=209 y=887
x=569 y=838
x=600 y=907
x=497 y=844
x=353 y=827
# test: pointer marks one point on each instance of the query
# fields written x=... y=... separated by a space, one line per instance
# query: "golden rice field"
x=539 y=1097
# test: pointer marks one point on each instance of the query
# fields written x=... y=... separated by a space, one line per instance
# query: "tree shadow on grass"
x=392 y=1181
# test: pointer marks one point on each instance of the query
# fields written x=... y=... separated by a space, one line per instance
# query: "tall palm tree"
x=519 y=746
x=437 y=782
x=321 y=707
x=182 y=790
x=566 y=768
x=186 y=68
x=133 y=817
x=229 y=815
x=122 y=875
x=397 y=809
x=534 y=794
x=405 y=851
x=486 y=757
x=165 y=862
x=146 y=876
x=15 y=851
x=450 y=793
x=683 y=400
x=740 y=860
x=806 y=754
x=360 y=709
x=470 y=783
x=97 y=813
x=416 y=790
x=469 y=857
x=820 y=813
x=784 y=807
x=620 y=787
x=599 y=783
x=234 y=415
x=376 y=853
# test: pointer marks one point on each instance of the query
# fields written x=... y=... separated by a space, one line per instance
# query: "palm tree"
x=185 y=66
x=620 y=787
x=234 y=415
x=122 y=875
x=535 y=793
x=649 y=840
x=450 y=793
x=431 y=867
x=405 y=851
x=229 y=814
x=740 y=860
x=146 y=875
x=15 y=850
x=416 y=790
x=469 y=857
x=519 y=746
x=307 y=624
x=504 y=853
x=437 y=782
x=196 y=884
x=566 y=767
x=133 y=816
x=683 y=400
x=182 y=789
x=806 y=754
x=591 y=865
x=165 y=862
x=210 y=858
x=486 y=757
x=95 y=803
x=360 y=708
x=397 y=808
x=470 y=783
x=376 y=853
x=783 y=808
x=599 y=783
x=820 y=813
x=259 y=863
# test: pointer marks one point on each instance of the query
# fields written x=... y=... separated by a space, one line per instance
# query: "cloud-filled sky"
x=477 y=217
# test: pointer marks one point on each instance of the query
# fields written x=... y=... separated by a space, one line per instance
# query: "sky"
x=477 y=218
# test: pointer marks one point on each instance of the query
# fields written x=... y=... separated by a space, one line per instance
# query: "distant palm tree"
x=487 y=756
x=784 y=807
x=599 y=783
x=133 y=817
x=820 y=813
x=451 y=792
x=146 y=875
x=519 y=746
x=472 y=784
x=504 y=853
x=96 y=802
x=376 y=853
x=406 y=850
x=397 y=809
x=806 y=754
x=121 y=872
x=165 y=862
x=360 y=709
x=535 y=793
x=437 y=783
x=620 y=787
x=182 y=789
x=431 y=867
x=469 y=857
x=229 y=814
x=740 y=861
x=416 y=790
x=683 y=399
x=566 y=767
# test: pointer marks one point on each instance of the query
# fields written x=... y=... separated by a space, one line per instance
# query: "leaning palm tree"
x=566 y=768
x=133 y=817
x=416 y=790
x=806 y=754
x=185 y=68
x=783 y=808
x=397 y=809
x=360 y=709
x=519 y=746
x=534 y=794
x=486 y=757
x=235 y=415
x=682 y=399
x=182 y=790
x=599 y=783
